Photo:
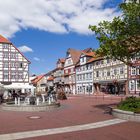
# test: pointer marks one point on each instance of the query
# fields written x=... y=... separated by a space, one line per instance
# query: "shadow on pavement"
x=106 y=107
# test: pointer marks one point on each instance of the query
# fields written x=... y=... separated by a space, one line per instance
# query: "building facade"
x=14 y=67
x=110 y=76
x=134 y=75
x=40 y=82
x=84 y=74
x=59 y=73
x=72 y=57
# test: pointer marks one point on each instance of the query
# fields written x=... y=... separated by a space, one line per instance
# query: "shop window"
x=138 y=84
x=132 y=85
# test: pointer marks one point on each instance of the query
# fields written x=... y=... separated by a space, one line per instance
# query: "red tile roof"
x=4 y=40
x=89 y=54
x=62 y=60
x=38 y=78
x=87 y=50
x=75 y=54
x=51 y=78
x=94 y=59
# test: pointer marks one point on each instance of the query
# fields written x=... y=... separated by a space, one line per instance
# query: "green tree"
x=120 y=38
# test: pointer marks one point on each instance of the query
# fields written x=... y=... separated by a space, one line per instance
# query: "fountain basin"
x=10 y=106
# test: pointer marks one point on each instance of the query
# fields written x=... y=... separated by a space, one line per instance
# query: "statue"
x=52 y=94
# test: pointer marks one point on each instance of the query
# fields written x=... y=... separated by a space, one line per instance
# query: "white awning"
x=19 y=86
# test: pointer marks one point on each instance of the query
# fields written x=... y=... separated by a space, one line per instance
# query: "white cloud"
x=36 y=59
x=25 y=49
x=58 y=16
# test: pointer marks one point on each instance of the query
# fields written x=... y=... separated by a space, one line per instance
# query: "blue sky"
x=44 y=30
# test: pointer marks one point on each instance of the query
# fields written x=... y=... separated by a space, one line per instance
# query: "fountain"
x=33 y=102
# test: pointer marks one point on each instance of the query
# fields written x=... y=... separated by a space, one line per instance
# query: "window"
x=5 y=55
x=108 y=73
x=72 y=70
x=138 y=71
x=90 y=66
x=5 y=46
x=133 y=58
x=90 y=75
x=87 y=67
x=69 y=61
x=138 y=84
x=80 y=77
x=21 y=65
x=97 y=73
x=133 y=71
x=90 y=88
x=102 y=61
x=5 y=75
x=13 y=55
x=77 y=77
x=20 y=76
x=6 y=65
x=132 y=85
x=115 y=71
x=82 y=59
x=108 y=60
x=97 y=63
x=83 y=68
x=86 y=76
x=121 y=70
x=83 y=76
x=13 y=76
x=103 y=74
x=13 y=65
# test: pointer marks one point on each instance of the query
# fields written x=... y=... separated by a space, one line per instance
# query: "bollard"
x=49 y=100
x=16 y=101
x=37 y=101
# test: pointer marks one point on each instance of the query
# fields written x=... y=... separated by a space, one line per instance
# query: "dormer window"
x=82 y=59
x=69 y=61
x=68 y=55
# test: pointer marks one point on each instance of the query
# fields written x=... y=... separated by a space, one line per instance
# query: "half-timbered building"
x=14 y=67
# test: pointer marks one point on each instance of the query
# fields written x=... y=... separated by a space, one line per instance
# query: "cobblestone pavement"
x=77 y=110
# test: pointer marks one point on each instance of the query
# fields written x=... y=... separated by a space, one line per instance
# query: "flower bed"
x=130 y=104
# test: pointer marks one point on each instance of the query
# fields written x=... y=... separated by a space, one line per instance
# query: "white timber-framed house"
x=84 y=74
x=110 y=76
x=14 y=66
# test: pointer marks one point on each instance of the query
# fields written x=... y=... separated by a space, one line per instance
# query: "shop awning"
x=19 y=86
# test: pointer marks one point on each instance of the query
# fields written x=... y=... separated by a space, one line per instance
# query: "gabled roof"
x=38 y=78
x=89 y=54
x=4 y=40
x=87 y=50
x=75 y=54
x=61 y=60
x=94 y=59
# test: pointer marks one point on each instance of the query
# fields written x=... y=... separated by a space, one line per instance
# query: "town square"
x=70 y=70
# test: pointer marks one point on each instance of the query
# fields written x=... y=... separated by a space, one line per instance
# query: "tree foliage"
x=120 y=38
